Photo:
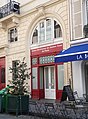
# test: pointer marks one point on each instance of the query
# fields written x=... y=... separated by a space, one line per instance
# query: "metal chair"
x=50 y=110
x=78 y=100
x=60 y=111
x=70 y=110
x=85 y=97
x=41 y=109
x=33 y=108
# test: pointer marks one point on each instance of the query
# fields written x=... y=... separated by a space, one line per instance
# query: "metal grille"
x=11 y=7
x=46 y=59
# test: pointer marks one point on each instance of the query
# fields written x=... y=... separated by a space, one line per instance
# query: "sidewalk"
x=8 y=116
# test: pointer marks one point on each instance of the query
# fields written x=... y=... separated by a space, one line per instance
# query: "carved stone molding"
x=41 y=10
x=15 y=20
x=2 y=26
x=12 y=19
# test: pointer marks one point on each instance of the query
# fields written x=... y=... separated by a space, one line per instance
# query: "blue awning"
x=73 y=53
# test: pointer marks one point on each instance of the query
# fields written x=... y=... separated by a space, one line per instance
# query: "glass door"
x=49 y=79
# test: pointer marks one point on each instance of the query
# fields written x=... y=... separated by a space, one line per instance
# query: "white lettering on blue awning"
x=86 y=56
x=79 y=57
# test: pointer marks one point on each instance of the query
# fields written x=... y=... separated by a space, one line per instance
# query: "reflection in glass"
x=34 y=79
x=60 y=77
x=41 y=77
x=48 y=29
x=57 y=30
x=35 y=36
x=47 y=77
x=52 y=78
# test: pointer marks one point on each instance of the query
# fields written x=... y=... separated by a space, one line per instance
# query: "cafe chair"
x=50 y=110
x=85 y=97
x=33 y=109
x=78 y=100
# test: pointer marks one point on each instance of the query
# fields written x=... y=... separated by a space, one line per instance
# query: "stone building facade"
x=37 y=30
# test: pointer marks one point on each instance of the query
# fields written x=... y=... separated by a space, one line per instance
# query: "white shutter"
x=77 y=19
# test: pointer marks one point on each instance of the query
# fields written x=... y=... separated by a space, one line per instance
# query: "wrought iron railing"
x=9 y=8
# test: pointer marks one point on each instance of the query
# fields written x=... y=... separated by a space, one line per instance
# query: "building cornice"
x=47 y=4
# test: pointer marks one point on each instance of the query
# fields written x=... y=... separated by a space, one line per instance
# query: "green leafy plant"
x=20 y=78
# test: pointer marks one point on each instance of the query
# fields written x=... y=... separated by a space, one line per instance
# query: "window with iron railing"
x=11 y=7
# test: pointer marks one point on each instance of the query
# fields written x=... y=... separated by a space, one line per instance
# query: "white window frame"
x=87 y=11
x=14 y=34
x=52 y=33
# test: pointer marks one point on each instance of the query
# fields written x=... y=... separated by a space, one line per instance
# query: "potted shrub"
x=85 y=29
x=18 y=100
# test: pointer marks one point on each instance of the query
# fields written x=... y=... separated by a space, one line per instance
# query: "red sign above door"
x=48 y=49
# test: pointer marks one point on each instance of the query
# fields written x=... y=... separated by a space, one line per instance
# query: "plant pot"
x=18 y=104
x=3 y=102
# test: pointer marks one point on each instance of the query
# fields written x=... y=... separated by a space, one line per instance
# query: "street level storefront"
x=2 y=73
x=47 y=76
x=78 y=55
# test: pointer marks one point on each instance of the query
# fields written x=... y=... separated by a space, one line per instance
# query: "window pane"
x=41 y=77
x=48 y=29
x=57 y=30
x=34 y=79
x=2 y=75
x=34 y=61
x=41 y=32
x=87 y=9
x=35 y=36
x=46 y=77
x=60 y=77
x=13 y=35
x=52 y=78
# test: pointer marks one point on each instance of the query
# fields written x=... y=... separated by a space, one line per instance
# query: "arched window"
x=45 y=31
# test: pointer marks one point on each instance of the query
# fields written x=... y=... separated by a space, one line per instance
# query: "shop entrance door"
x=2 y=77
x=49 y=81
x=86 y=77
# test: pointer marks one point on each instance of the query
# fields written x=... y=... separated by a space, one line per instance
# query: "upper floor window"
x=13 y=34
x=46 y=30
x=87 y=10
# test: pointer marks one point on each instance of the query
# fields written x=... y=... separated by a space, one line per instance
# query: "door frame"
x=49 y=90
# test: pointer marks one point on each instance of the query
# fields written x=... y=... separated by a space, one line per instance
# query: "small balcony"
x=9 y=14
x=9 y=8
